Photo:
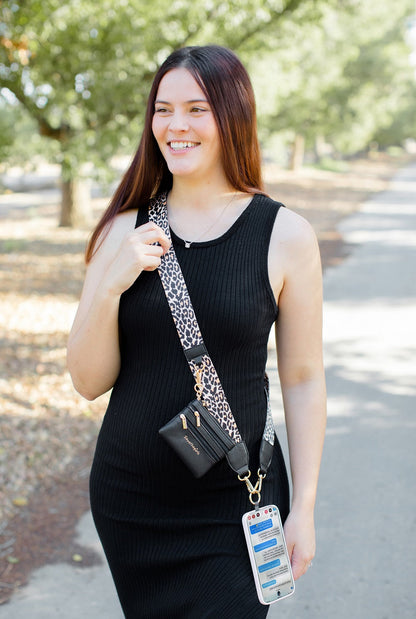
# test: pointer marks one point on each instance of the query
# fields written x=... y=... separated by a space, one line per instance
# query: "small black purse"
x=200 y=441
x=205 y=431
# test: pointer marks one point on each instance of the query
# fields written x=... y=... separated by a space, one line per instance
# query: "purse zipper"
x=224 y=443
x=198 y=436
x=224 y=439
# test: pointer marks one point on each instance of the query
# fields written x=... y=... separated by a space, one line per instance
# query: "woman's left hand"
x=299 y=531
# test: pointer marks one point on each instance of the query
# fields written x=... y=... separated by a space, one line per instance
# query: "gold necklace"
x=189 y=243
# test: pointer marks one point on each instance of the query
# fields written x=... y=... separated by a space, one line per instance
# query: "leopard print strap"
x=269 y=430
x=190 y=334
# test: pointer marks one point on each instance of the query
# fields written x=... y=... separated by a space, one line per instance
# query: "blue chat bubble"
x=261 y=526
x=264 y=545
x=269 y=566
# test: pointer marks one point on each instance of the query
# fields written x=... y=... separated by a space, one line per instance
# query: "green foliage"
x=81 y=69
x=7 y=123
x=76 y=72
x=20 y=140
x=343 y=78
x=402 y=125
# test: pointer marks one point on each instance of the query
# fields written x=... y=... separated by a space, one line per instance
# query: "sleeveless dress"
x=175 y=544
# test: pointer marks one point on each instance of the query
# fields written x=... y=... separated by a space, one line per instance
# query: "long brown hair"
x=226 y=84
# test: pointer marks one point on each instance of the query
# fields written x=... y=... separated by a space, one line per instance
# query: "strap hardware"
x=199 y=387
x=254 y=492
x=196 y=353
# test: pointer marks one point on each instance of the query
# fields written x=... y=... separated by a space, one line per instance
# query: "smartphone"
x=269 y=559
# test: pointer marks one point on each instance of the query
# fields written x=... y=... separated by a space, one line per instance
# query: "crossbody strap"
x=196 y=353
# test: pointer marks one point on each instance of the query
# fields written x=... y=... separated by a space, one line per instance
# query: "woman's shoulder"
x=114 y=233
x=289 y=226
x=124 y=222
x=293 y=235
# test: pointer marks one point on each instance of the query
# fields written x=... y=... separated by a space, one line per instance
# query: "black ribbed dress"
x=174 y=543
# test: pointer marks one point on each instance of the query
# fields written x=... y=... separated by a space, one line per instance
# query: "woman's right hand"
x=93 y=344
x=141 y=250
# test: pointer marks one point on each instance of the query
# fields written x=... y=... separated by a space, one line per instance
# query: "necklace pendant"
x=187 y=244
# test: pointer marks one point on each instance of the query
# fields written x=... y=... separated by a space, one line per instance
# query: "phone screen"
x=268 y=555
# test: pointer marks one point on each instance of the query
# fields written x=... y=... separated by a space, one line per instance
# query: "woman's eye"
x=198 y=109
x=161 y=110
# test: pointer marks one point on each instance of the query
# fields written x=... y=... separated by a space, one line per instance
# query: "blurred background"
x=333 y=78
x=335 y=83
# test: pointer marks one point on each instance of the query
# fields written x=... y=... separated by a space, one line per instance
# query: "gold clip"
x=253 y=491
x=247 y=481
x=184 y=424
x=198 y=419
x=198 y=382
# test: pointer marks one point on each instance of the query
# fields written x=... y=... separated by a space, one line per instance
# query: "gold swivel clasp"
x=199 y=387
x=253 y=491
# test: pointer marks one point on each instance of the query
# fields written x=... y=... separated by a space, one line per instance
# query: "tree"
x=82 y=68
x=7 y=121
x=341 y=79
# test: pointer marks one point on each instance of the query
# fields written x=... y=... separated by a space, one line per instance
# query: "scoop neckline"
x=223 y=236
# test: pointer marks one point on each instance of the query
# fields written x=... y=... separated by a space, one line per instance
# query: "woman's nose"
x=179 y=121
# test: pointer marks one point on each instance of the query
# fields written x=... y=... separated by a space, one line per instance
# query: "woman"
x=174 y=543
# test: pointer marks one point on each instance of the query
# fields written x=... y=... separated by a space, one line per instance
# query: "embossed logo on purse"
x=190 y=443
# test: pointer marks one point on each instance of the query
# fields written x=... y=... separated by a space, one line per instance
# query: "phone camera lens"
x=278 y=594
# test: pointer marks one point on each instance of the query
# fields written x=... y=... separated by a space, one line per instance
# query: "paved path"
x=366 y=512
x=365 y=566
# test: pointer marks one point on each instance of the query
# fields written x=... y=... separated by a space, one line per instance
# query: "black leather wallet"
x=200 y=441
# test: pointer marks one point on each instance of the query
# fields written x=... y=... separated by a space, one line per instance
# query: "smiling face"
x=185 y=129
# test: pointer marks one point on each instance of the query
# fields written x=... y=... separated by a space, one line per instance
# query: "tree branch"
x=60 y=133
x=290 y=7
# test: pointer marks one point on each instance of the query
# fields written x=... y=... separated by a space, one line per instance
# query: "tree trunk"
x=76 y=206
x=322 y=148
x=298 y=152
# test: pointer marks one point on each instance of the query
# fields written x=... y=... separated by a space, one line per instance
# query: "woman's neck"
x=199 y=196
x=205 y=211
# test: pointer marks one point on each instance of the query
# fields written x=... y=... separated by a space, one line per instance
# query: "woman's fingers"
x=150 y=234
x=141 y=250
x=300 y=540
x=300 y=564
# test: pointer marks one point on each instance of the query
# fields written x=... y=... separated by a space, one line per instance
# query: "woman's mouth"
x=182 y=145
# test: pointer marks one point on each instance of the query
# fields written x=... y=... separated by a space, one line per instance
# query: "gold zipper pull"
x=184 y=424
x=198 y=419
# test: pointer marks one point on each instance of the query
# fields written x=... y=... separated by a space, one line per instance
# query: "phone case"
x=268 y=554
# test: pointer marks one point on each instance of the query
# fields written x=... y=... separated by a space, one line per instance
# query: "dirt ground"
x=47 y=431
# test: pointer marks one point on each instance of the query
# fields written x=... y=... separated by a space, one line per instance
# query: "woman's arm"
x=301 y=371
x=93 y=354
